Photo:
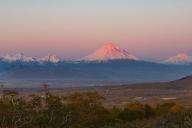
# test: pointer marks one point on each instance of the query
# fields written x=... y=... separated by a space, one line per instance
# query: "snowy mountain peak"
x=110 y=46
x=109 y=51
x=18 y=57
x=50 y=58
x=181 y=58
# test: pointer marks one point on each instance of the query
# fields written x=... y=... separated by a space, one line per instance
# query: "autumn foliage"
x=85 y=110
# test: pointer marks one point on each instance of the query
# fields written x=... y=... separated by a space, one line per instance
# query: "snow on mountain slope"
x=50 y=58
x=21 y=57
x=109 y=52
x=18 y=57
x=181 y=58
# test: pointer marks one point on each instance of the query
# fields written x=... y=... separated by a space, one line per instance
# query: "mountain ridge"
x=107 y=52
x=21 y=57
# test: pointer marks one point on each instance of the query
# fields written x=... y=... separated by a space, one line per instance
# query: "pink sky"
x=153 y=30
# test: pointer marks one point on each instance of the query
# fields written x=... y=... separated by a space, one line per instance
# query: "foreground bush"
x=85 y=110
x=176 y=120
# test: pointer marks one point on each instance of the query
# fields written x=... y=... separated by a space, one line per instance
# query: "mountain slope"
x=109 y=52
x=181 y=58
x=184 y=83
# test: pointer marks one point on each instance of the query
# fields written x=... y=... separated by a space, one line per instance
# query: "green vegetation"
x=85 y=110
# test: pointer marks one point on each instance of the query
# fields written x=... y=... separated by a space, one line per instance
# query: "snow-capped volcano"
x=181 y=58
x=18 y=57
x=109 y=52
x=50 y=58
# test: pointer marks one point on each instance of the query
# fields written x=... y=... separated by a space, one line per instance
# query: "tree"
x=132 y=111
x=88 y=111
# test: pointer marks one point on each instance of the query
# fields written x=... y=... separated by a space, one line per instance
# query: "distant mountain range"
x=107 y=52
x=17 y=57
x=107 y=65
x=23 y=58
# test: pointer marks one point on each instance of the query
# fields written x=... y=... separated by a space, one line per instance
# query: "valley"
x=178 y=91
